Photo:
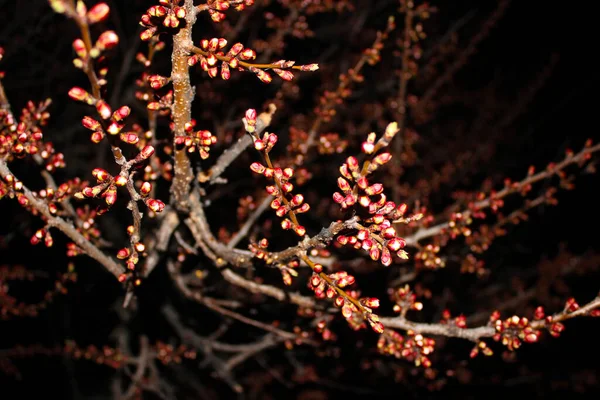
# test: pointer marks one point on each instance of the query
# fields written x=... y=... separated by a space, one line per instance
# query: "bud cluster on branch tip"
x=405 y=299
x=201 y=140
x=513 y=331
x=285 y=202
x=97 y=13
x=428 y=257
x=211 y=52
x=216 y=7
x=167 y=17
x=113 y=123
x=107 y=184
x=25 y=137
x=132 y=255
x=414 y=347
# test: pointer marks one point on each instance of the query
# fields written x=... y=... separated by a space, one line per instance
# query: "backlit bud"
x=107 y=40
x=79 y=94
x=155 y=205
x=103 y=109
x=98 y=13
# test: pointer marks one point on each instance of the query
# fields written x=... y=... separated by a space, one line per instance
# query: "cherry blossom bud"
x=146 y=188
x=110 y=196
x=107 y=40
x=79 y=94
x=374 y=189
x=309 y=67
x=263 y=76
x=180 y=12
x=98 y=13
x=171 y=21
x=121 y=180
x=286 y=224
x=79 y=47
x=248 y=54
x=90 y=123
x=225 y=72
x=123 y=253
x=257 y=167
x=59 y=6
x=97 y=137
x=121 y=113
x=146 y=152
x=382 y=158
x=300 y=230
x=155 y=205
x=103 y=109
x=148 y=33
x=129 y=137
x=100 y=174
x=284 y=74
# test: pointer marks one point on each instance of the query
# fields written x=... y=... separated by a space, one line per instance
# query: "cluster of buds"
x=216 y=7
x=379 y=240
x=107 y=184
x=132 y=256
x=97 y=13
x=201 y=140
x=106 y=41
x=285 y=202
x=405 y=299
x=106 y=356
x=168 y=16
x=10 y=306
x=414 y=348
x=356 y=310
x=167 y=354
x=114 y=121
x=354 y=184
x=42 y=234
x=326 y=333
x=512 y=331
x=481 y=347
x=22 y=138
x=428 y=256
x=459 y=322
x=459 y=225
x=13 y=188
x=211 y=52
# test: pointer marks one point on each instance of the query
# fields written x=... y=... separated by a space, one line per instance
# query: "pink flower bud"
x=121 y=113
x=103 y=109
x=79 y=47
x=107 y=40
x=171 y=21
x=257 y=167
x=100 y=174
x=79 y=94
x=121 y=180
x=309 y=67
x=90 y=123
x=155 y=205
x=98 y=13
x=129 y=137
x=145 y=153
x=248 y=54
x=146 y=188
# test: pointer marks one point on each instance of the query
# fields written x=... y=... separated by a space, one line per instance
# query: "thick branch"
x=182 y=107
